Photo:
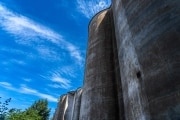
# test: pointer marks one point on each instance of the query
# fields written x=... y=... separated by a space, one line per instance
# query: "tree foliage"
x=4 y=108
x=17 y=114
x=41 y=107
x=37 y=111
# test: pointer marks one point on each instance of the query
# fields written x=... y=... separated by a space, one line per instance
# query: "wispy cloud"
x=20 y=62
x=57 y=81
x=27 y=79
x=48 y=53
x=61 y=77
x=90 y=8
x=74 y=52
x=27 y=31
x=7 y=85
x=63 y=82
x=68 y=70
x=29 y=91
x=55 y=85
x=24 y=27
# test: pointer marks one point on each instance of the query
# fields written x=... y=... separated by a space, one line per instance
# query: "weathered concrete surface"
x=148 y=40
x=118 y=83
x=76 y=105
x=69 y=106
x=70 y=102
x=61 y=108
x=134 y=72
x=99 y=99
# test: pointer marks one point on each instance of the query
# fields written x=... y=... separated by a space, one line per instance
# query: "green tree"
x=37 y=111
x=41 y=107
x=4 y=108
x=17 y=114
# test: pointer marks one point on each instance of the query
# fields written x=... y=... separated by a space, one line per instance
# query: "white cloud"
x=24 y=27
x=67 y=70
x=48 y=53
x=7 y=86
x=20 y=62
x=27 y=31
x=55 y=85
x=6 y=49
x=29 y=91
x=27 y=79
x=75 y=53
x=63 y=82
x=90 y=8
x=57 y=80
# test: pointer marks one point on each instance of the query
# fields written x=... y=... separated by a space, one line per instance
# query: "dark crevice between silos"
x=117 y=81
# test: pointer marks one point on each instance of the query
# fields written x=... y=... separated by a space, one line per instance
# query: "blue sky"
x=43 y=47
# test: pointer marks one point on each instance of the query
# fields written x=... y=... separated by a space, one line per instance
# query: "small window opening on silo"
x=138 y=74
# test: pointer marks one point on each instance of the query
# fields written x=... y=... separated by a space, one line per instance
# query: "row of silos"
x=132 y=67
x=69 y=106
x=100 y=99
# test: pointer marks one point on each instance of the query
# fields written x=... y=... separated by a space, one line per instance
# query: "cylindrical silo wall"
x=99 y=100
x=118 y=79
x=69 y=106
x=148 y=40
x=77 y=104
x=56 y=113
x=69 y=110
x=61 y=109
